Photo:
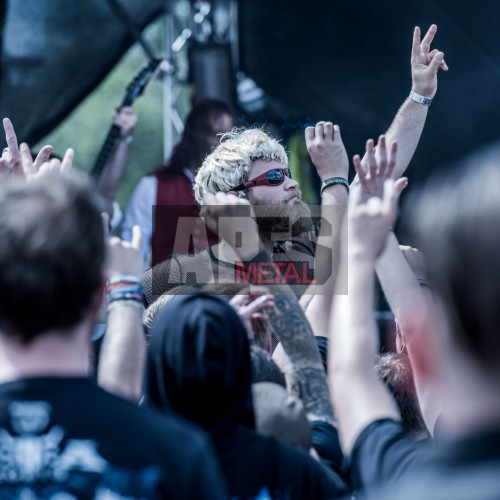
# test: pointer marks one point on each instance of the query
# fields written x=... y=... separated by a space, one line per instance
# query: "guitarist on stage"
x=165 y=196
x=126 y=119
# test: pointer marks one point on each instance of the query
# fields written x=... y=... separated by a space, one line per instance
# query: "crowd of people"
x=248 y=365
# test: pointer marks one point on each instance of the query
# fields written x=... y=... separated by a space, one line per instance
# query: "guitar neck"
x=105 y=153
x=134 y=90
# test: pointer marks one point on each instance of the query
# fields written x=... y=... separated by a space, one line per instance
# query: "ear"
x=239 y=194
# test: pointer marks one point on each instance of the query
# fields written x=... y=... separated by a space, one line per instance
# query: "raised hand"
x=371 y=220
x=378 y=167
x=253 y=306
x=327 y=150
x=126 y=119
x=125 y=257
x=15 y=159
x=40 y=166
x=233 y=219
x=425 y=63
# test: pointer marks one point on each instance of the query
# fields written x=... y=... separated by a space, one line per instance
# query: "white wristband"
x=127 y=139
x=426 y=101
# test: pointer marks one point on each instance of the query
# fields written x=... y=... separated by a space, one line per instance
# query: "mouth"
x=294 y=197
x=293 y=200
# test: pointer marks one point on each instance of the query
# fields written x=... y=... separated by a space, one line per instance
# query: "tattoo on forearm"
x=306 y=377
x=309 y=385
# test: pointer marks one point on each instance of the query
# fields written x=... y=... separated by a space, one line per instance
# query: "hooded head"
x=199 y=362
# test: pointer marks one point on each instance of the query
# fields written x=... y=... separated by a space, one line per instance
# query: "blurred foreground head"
x=456 y=219
x=52 y=253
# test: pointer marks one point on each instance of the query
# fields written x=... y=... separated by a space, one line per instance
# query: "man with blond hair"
x=254 y=166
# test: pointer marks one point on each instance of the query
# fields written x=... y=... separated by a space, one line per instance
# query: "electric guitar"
x=134 y=89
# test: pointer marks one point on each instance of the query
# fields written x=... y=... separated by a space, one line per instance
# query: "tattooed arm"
x=304 y=371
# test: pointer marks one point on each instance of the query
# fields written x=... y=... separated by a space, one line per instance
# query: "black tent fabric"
x=55 y=52
x=342 y=61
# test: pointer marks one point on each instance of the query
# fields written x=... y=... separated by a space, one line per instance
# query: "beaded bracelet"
x=128 y=278
x=125 y=287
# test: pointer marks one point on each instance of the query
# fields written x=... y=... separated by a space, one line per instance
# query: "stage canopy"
x=342 y=61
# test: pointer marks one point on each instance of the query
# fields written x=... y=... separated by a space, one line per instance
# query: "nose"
x=290 y=184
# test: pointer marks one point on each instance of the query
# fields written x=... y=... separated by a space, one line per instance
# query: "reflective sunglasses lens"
x=275 y=177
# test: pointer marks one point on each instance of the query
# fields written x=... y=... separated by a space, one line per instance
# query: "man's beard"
x=273 y=218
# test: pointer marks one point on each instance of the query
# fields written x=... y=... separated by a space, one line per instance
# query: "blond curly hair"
x=229 y=163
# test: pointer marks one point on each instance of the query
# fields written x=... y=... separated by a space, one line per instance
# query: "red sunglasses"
x=273 y=177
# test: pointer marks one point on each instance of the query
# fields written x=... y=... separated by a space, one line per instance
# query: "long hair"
x=197 y=138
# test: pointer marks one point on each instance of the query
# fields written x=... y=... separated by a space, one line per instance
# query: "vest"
x=178 y=229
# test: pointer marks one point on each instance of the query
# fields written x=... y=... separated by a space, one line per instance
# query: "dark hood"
x=199 y=362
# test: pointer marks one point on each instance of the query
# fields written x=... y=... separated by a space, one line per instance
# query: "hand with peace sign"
x=425 y=63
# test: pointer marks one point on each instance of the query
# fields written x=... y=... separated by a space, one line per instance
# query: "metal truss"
x=186 y=22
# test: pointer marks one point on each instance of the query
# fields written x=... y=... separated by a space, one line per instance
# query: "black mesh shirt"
x=199 y=269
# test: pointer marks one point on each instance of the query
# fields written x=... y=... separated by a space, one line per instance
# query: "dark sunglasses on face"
x=273 y=177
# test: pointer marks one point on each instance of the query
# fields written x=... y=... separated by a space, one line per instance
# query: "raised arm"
x=305 y=374
x=358 y=394
x=17 y=161
x=122 y=357
x=409 y=121
x=399 y=269
x=113 y=172
x=328 y=154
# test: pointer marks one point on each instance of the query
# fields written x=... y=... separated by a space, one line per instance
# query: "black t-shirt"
x=259 y=466
x=325 y=440
x=384 y=453
x=67 y=437
x=466 y=469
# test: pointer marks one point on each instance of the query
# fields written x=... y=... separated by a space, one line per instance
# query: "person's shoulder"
x=311 y=473
x=455 y=469
x=178 y=447
x=148 y=421
x=147 y=182
x=144 y=192
x=293 y=456
x=293 y=459
x=178 y=262
x=183 y=258
x=384 y=449
x=201 y=255
x=444 y=481
x=384 y=433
